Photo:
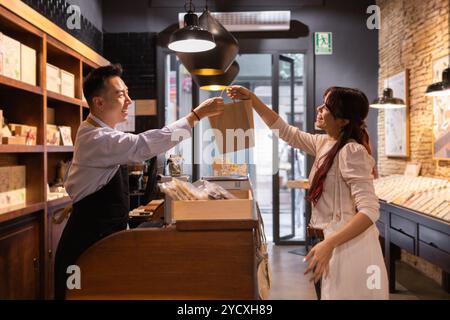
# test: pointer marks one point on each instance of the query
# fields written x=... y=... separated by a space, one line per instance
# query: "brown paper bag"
x=236 y=115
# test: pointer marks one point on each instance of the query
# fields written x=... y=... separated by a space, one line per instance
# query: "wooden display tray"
x=232 y=209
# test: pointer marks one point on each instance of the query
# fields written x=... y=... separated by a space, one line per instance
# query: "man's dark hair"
x=94 y=82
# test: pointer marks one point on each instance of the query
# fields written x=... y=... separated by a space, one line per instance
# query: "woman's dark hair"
x=343 y=103
x=94 y=82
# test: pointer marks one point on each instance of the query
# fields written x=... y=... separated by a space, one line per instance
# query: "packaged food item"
x=181 y=190
x=175 y=164
x=215 y=192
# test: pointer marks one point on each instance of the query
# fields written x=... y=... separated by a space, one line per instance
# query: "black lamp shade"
x=217 y=60
x=440 y=88
x=191 y=38
x=217 y=82
x=387 y=101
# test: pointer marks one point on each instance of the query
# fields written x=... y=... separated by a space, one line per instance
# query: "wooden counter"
x=192 y=260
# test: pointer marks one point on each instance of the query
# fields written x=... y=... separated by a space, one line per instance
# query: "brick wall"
x=413 y=34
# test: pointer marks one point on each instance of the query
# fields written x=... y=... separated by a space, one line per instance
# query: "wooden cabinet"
x=56 y=223
x=27 y=232
x=416 y=233
x=20 y=262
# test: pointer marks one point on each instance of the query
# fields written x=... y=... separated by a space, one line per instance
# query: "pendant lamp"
x=191 y=38
x=440 y=88
x=217 y=60
x=217 y=82
x=387 y=101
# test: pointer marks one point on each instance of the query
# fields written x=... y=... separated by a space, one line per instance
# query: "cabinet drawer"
x=403 y=225
x=381 y=226
x=402 y=240
x=434 y=238
x=435 y=256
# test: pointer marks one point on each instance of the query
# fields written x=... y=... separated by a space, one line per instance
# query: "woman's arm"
x=292 y=135
x=319 y=256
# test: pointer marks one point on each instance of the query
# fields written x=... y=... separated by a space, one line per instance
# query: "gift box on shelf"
x=10 y=49
x=12 y=186
x=14 y=140
x=67 y=83
x=53 y=78
x=28 y=64
x=66 y=135
x=21 y=130
x=53 y=135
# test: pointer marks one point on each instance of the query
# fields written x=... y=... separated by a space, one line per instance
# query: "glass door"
x=289 y=220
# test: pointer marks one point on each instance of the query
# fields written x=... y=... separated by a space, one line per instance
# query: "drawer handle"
x=433 y=245
x=399 y=230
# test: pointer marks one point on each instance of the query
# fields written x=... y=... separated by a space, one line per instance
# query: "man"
x=97 y=179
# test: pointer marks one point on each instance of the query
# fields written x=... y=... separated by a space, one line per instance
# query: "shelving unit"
x=27 y=104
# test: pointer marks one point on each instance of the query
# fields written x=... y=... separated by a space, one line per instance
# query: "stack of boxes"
x=21 y=134
x=12 y=186
x=17 y=61
x=60 y=81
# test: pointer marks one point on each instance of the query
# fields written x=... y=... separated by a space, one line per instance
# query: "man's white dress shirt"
x=99 y=152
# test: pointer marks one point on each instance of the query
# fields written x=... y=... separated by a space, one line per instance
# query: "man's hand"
x=210 y=108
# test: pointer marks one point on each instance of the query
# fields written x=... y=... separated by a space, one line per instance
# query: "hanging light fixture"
x=217 y=82
x=387 y=101
x=191 y=38
x=440 y=88
x=217 y=60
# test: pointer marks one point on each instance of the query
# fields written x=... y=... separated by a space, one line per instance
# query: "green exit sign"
x=323 y=43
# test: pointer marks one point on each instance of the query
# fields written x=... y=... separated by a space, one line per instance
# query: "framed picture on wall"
x=441 y=115
x=396 y=121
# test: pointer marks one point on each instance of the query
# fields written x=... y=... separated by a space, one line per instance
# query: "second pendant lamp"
x=217 y=82
x=215 y=61
x=388 y=101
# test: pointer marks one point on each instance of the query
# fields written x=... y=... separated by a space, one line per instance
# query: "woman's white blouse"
x=355 y=178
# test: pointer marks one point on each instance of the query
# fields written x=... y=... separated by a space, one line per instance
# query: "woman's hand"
x=319 y=260
x=239 y=93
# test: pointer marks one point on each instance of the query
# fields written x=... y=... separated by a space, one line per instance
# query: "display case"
x=416 y=233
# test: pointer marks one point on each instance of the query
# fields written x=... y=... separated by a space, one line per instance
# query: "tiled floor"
x=289 y=283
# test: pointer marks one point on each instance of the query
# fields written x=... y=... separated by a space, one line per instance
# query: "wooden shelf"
x=17 y=148
x=20 y=211
x=58 y=202
x=35 y=106
x=59 y=148
x=61 y=98
x=16 y=84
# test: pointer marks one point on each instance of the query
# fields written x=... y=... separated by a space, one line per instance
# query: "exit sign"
x=323 y=43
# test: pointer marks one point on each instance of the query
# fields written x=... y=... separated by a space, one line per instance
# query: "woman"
x=349 y=260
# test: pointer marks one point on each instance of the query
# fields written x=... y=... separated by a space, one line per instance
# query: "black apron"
x=93 y=218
